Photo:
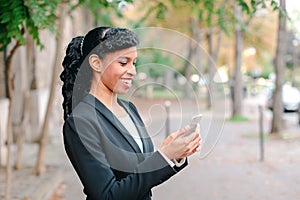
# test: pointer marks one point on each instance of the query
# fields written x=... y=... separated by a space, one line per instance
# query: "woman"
x=105 y=138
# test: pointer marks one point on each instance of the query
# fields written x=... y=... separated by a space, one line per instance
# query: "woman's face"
x=118 y=70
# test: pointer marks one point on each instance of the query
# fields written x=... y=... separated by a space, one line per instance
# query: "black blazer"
x=105 y=156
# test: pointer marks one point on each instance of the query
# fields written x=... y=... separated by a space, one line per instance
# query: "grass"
x=160 y=93
x=238 y=118
x=284 y=135
x=266 y=136
x=165 y=94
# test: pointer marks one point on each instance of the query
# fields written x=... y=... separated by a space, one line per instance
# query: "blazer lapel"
x=114 y=120
x=147 y=143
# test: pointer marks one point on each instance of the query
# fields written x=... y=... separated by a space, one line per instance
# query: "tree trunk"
x=214 y=53
x=82 y=20
x=277 y=123
x=188 y=70
x=237 y=84
x=9 y=140
x=9 y=120
x=5 y=74
x=295 y=64
x=24 y=124
x=40 y=165
x=198 y=51
x=193 y=48
x=2 y=94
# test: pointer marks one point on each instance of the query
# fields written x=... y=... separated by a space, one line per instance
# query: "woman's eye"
x=123 y=63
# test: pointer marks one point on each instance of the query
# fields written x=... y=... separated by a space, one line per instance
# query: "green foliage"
x=220 y=13
x=101 y=8
x=95 y=5
x=12 y=15
x=19 y=16
x=161 y=10
x=276 y=7
x=210 y=13
x=158 y=63
x=223 y=19
x=164 y=60
x=244 y=6
x=267 y=65
x=158 y=9
x=209 y=5
x=251 y=7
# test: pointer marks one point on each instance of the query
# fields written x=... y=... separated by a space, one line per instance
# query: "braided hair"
x=77 y=74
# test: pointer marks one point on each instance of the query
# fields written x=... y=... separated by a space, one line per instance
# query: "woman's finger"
x=181 y=131
x=175 y=135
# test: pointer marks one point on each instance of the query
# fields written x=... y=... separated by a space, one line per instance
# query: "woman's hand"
x=178 y=146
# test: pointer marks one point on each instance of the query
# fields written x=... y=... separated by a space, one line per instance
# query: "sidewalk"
x=231 y=171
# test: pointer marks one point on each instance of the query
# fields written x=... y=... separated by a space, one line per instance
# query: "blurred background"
x=235 y=61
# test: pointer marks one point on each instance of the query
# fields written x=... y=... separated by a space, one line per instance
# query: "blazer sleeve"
x=177 y=167
x=95 y=173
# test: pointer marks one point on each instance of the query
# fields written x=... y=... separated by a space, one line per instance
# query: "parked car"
x=299 y=115
x=290 y=98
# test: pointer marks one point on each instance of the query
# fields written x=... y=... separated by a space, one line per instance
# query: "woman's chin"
x=123 y=91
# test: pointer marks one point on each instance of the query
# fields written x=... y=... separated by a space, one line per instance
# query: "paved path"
x=231 y=171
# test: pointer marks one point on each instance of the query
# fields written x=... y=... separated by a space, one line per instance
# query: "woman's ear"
x=95 y=62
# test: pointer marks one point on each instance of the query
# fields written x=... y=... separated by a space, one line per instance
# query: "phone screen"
x=195 y=120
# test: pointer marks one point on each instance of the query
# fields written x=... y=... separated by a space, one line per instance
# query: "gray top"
x=131 y=128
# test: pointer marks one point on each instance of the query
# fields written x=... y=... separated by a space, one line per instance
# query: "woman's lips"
x=127 y=82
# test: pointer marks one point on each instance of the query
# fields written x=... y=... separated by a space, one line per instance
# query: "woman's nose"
x=132 y=70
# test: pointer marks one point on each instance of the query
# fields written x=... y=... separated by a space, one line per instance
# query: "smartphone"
x=195 y=120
